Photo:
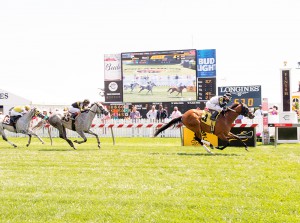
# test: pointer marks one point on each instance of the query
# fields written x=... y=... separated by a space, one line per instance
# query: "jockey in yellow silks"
x=217 y=104
x=78 y=107
x=18 y=111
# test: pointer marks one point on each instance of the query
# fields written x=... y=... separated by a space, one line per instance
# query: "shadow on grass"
x=196 y=154
x=58 y=150
x=206 y=154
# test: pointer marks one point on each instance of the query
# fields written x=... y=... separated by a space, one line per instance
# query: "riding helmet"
x=86 y=101
x=227 y=94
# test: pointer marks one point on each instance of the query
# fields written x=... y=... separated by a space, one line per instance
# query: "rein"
x=231 y=109
x=98 y=107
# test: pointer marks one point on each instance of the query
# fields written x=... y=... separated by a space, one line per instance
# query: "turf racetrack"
x=147 y=180
x=159 y=94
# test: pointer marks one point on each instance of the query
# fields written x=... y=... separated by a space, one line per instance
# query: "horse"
x=81 y=125
x=178 y=89
x=22 y=126
x=193 y=120
x=130 y=86
x=147 y=87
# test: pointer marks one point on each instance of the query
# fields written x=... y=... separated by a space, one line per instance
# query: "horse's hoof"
x=75 y=141
x=27 y=145
x=15 y=146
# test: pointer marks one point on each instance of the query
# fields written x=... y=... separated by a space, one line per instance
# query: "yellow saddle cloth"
x=206 y=120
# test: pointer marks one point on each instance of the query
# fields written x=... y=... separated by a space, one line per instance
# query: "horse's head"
x=100 y=109
x=243 y=110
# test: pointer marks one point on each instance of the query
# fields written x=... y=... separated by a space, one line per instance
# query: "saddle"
x=205 y=118
x=11 y=120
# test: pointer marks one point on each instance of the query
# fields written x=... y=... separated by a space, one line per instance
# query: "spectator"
x=258 y=112
x=176 y=113
x=274 y=110
x=152 y=113
x=162 y=114
x=134 y=114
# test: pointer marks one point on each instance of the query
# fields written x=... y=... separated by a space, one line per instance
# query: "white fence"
x=142 y=128
x=130 y=129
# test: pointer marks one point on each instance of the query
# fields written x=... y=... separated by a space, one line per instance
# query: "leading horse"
x=22 y=126
x=178 y=89
x=193 y=120
x=81 y=125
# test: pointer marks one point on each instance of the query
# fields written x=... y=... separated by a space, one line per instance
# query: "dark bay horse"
x=147 y=87
x=178 y=89
x=192 y=119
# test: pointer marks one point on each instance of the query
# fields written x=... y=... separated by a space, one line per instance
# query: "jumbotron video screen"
x=159 y=76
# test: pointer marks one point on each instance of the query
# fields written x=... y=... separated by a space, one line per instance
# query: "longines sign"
x=3 y=95
x=250 y=95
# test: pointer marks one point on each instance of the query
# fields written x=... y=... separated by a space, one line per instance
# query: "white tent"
x=8 y=100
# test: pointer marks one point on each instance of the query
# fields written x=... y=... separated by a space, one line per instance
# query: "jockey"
x=217 y=104
x=17 y=112
x=78 y=107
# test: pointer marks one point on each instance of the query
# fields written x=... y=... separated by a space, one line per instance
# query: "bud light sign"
x=206 y=63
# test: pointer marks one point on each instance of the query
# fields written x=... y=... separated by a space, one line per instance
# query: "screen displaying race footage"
x=159 y=76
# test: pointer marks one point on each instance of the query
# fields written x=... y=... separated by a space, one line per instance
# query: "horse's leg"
x=32 y=133
x=63 y=135
x=81 y=133
x=223 y=138
x=49 y=133
x=5 y=139
x=198 y=137
x=94 y=134
x=29 y=138
x=233 y=136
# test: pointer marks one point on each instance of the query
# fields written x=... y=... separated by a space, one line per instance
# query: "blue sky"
x=51 y=52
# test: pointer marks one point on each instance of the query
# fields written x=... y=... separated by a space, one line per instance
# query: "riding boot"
x=74 y=115
x=214 y=115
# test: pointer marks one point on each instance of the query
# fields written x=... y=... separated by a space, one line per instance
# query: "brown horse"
x=192 y=119
x=178 y=89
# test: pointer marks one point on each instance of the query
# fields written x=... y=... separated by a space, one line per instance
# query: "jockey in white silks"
x=217 y=104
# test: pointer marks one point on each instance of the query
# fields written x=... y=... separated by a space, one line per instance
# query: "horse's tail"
x=172 y=122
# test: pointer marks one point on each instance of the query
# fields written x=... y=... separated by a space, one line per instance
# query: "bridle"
x=244 y=111
x=100 y=107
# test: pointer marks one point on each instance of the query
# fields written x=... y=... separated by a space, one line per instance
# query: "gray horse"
x=148 y=87
x=130 y=86
x=81 y=125
x=22 y=126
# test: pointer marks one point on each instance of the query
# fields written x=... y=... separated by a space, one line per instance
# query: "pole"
x=112 y=135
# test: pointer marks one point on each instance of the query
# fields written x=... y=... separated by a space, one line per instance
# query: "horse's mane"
x=234 y=106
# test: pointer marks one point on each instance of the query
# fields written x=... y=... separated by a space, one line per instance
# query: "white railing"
x=133 y=130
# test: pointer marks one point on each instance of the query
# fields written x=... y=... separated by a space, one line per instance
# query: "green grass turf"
x=159 y=93
x=147 y=180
